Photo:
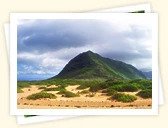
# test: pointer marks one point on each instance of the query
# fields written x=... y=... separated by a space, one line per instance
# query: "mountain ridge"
x=148 y=74
x=90 y=65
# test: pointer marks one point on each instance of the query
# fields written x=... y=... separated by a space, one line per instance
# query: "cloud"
x=46 y=46
x=49 y=35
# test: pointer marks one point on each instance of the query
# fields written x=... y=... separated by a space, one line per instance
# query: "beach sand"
x=99 y=100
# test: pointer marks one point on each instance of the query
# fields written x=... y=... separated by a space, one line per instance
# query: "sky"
x=45 y=46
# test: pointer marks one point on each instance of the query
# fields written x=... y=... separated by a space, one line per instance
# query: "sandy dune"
x=97 y=101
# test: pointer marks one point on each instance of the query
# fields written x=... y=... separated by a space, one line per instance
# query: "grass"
x=121 y=97
x=95 y=84
x=70 y=94
x=125 y=88
x=84 y=92
x=23 y=84
x=65 y=82
x=59 y=88
x=19 y=90
x=61 y=92
x=110 y=92
x=95 y=88
x=110 y=86
x=82 y=87
x=84 y=83
x=41 y=95
x=105 y=84
x=142 y=83
x=51 y=89
x=67 y=93
x=121 y=85
x=42 y=88
x=145 y=93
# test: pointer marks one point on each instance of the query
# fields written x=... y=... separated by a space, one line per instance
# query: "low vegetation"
x=59 y=88
x=19 y=90
x=70 y=94
x=42 y=88
x=22 y=84
x=84 y=92
x=142 y=83
x=67 y=93
x=110 y=87
x=125 y=88
x=51 y=89
x=121 y=97
x=84 y=83
x=145 y=93
x=121 y=85
x=82 y=87
x=110 y=92
x=105 y=84
x=41 y=95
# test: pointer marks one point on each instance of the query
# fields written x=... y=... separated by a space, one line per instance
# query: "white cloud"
x=126 y=39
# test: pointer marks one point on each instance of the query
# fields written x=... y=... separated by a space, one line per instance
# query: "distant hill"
x=148 y=74
x=89 y=65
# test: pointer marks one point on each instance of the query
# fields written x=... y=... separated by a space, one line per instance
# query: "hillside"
x=148 y=74
x=89 y=65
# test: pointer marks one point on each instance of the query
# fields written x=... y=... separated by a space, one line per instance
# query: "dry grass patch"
x=41 y=95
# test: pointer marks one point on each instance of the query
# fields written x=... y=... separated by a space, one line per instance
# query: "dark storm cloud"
x=43 y=36
x=46 y=46
x=47 y=35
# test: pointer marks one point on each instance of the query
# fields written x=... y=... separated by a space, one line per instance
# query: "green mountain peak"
x=90 y=65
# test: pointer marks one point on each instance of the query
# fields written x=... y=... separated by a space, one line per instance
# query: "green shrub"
x=84 y=83
x=145 y=93
x=51 y=89
x=61 y=92
x=104 y=85
x=114 y=81
x=59 y=88
x=82 y=87
x=42 y=88
x=84 y=92
x=124 y=97
x=22 y=84
x=95 y=88
x=117 y=84
x=110 y=92
x=125 y=88
x=104 y=91
x=19 y=90
x=142 y=83
x=70 y=94
x=67 y=93
x=149 y=87
x=41 y=95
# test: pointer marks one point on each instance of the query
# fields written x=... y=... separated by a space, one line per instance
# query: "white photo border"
x=13 y=66
x=130 y=8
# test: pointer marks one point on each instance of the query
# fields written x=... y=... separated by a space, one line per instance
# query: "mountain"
x=148 y=74
x=89 y=65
